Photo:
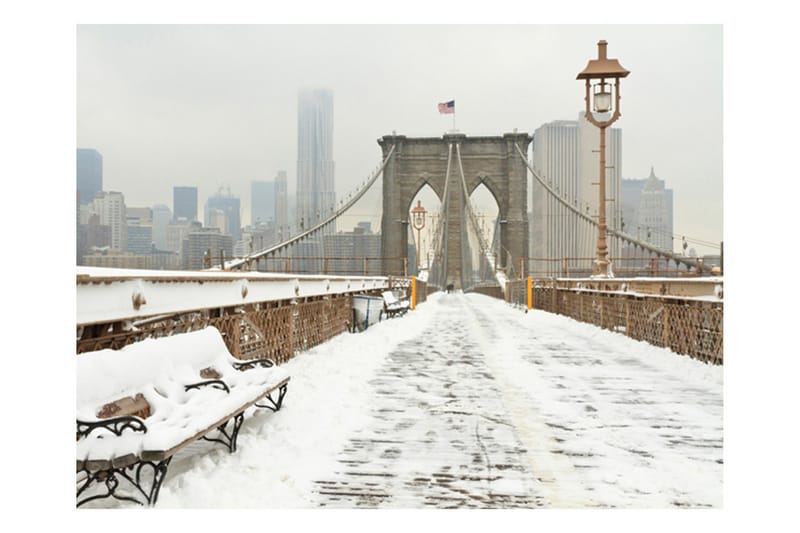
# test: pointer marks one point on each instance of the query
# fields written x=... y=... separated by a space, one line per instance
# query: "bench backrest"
x=389 y=297
x=107 y=375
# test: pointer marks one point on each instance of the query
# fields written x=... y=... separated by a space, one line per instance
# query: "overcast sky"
x=216 y=106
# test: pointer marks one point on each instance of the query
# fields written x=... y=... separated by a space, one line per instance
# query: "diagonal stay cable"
x=485 y=250
x=441 y=224
x=620 y=235
x=238 y=263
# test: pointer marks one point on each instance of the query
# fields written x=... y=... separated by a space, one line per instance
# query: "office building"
x=176 y=234
x=184 y=203
x=89 y=174
x=140 y=239
x=316 y=198
x=92 y=236
x=354 y=253
x=282 y=224
x=647 y=211
x=110 y=259
x=223 y=211
x=262 y=202
x=110 y=208
x=161 y=219
x=566 y=157
x=203 y=244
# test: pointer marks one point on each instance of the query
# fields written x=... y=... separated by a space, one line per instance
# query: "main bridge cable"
x=441 y=228
x=246 y=261
x=485 y=249
x=624 y=236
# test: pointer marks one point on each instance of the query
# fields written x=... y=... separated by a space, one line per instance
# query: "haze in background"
x=216 y=106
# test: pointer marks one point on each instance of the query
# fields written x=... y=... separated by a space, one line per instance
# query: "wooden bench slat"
x=160 y=455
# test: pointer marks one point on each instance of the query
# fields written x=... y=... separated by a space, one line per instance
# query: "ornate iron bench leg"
x=229 y=441
x=276 y=405
x=111 y=479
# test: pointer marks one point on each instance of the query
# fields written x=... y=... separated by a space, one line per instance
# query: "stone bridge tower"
x=491 y=161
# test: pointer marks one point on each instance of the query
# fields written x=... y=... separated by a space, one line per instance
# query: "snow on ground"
x=594 y=419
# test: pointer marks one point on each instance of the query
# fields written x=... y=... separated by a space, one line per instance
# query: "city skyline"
x=216 y=105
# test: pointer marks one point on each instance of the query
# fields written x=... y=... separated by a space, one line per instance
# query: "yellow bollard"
x=530 y=293
x=413 y=293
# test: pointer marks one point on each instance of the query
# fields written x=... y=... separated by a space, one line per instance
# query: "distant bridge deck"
x=470 y=402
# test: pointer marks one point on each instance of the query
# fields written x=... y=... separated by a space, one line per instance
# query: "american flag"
x=447 y=108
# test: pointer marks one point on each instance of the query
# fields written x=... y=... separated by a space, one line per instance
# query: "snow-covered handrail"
x=109 y=295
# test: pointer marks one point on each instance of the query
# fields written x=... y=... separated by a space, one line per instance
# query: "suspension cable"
x=441 y=224
x=239 y=263
x=485 y=250
x=620 y=235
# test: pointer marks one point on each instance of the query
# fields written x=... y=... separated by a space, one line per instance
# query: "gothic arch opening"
x=484 y=204
x=414 y=162
x=423 y=216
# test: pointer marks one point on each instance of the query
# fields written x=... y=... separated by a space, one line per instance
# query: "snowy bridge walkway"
x=469 y=402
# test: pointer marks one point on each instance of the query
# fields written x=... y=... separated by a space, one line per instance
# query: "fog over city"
x=216 y=106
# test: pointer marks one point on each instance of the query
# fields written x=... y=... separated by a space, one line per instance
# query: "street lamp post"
x=603 y=98
x=418 y=221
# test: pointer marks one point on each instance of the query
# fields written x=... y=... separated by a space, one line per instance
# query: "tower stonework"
x=491 y=161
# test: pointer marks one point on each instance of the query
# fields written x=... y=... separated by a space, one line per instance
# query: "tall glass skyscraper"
x=89 y=174
x=566 y=156
x=184 y=203
x=316 y=197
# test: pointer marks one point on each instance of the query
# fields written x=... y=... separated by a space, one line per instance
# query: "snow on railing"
x=109 y=295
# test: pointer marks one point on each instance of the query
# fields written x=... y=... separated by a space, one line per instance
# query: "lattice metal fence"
x=688 y=326
x=274 y=330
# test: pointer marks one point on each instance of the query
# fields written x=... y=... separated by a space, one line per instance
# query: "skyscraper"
x=262 y=202
x=161 y=218
x=184 y=203
x=316 y=197
x=110 y=208
x=647 y=211
x=565 y=154
x=89 y=174
x=199 y=241
x=139 y=222
x=229 y=207
x=281 y=207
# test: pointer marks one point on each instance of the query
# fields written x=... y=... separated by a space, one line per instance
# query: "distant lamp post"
x=418 y=221
x=602 y=77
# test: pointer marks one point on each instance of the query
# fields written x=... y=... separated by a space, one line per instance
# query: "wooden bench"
x=138 y=406
x=392 y=306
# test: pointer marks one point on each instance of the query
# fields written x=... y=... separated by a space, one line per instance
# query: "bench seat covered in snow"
x=140 y=405
x=393 y=306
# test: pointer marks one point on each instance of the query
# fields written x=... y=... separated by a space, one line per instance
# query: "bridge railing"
x=339 y=266
x=260 y=315
x=622 y=267
x=684 y=315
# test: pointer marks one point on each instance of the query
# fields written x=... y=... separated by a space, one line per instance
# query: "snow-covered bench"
x=393 y=306
x=138 y=406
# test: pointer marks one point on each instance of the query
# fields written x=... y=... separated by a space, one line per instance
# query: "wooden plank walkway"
x=460 y=419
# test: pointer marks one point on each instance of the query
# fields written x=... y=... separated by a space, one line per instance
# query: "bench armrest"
x=215 y=383
x=252 y=363
x=115 y=425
